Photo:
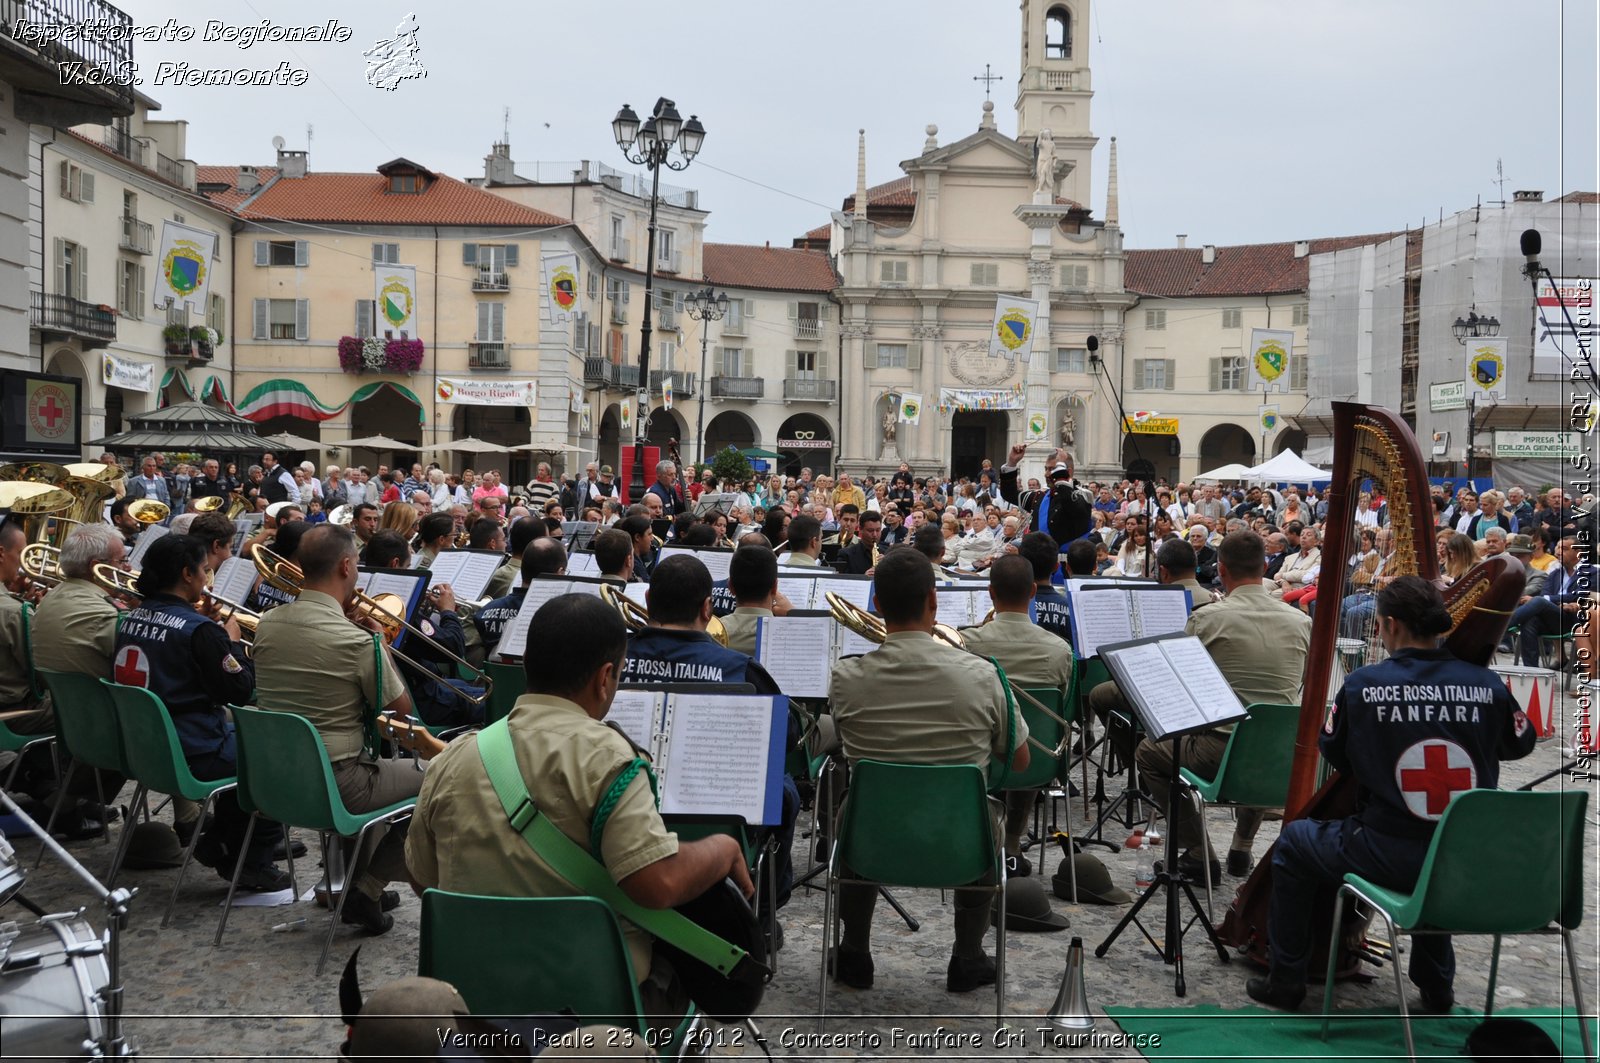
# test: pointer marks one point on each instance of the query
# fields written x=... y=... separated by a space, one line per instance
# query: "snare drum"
x=11 y=871
x=52 y=978
x=1535 y=691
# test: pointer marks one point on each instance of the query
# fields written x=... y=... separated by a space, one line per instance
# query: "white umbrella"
x=1231 y=471
x=1287 y=467
x=470 y=445
x=290 y=441
x=550 y=448
x=378 y=442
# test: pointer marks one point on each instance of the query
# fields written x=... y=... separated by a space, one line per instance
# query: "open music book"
x=1173 y=684
x=713 y=754
x=716 y=560
x=1117 y=612
x=236 y=578
x=798 y=651
x=962 y=604
x=805 y=587
x=410 y=584
x=150 y=534
x=540 y=590
x=467 y=571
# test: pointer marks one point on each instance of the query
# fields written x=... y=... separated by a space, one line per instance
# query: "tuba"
x=636 y=618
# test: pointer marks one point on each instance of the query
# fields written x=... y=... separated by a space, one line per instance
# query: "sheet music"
x=582 y=564
x=851 y=644
x=1100 y=617
x=716 y=561
x=798 y=653
x=514 y=639
x=637 y=712
x=236 y=578
x=718 y=757
x=407 y=584
x=855 y=590
x=1149 y=681
x=955 y=607
x=798 y=589
x=636 y=592
x=1163 y=612
x=146 y=537
x=1205 y=682
x=467 y=571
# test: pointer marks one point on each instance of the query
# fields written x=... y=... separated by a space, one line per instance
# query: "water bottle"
x=1144 y=871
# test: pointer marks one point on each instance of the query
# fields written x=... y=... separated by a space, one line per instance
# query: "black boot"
x=1276 y=992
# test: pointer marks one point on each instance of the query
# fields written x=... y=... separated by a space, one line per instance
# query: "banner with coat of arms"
x=1269 y=418
x=1038 y=425
x=184 y=276
x=1486 y=370
x=910 y=407
x=1011 y=335
x=1269 y=358
x=559 y=293
x=394 y=291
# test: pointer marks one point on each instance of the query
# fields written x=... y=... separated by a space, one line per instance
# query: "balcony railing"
x=807 y=328
x=602 y=372
x=619 y=312
x=491 y=280
x=95 y=67
x=737 y=387
x=125 y=144
x=682 y=383
x=136 y=236
x=485 y=355
x=168 y=169
x=72 y=317
x=628 y=377
x=799 y=390
x=671 y=262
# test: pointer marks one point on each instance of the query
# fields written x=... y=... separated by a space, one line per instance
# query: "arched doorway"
x=1291 y=439
x=68 y=363
x=608 y=446
x=805 y=441
x=1150 y=457
x=506 y=425
x=975 y=435
x=1226 y=444
x=666 y=429
x=388 y=412
x=290 y=424
x=729 y=429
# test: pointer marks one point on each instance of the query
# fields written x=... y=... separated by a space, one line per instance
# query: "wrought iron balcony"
x=65 y=316
x=800 y=390
x=70 y=79
x=738 y=387
x=682 y=383
x=491 y=280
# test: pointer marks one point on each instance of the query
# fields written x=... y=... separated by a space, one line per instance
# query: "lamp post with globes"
x=650 y=145
x=704 y=305
x=1473 y=327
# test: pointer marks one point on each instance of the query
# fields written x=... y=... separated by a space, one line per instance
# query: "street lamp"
x=704 y=305
x=1473 y=327
x=650 y=144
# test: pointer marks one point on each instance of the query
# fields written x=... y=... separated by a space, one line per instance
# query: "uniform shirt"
x=491 y=620
x=670 y=655
x=504 y=578
x=799 y=561
x=75 y=630
x=186 y=659
x=917 y=701
x=15 y=689
x=460 y=838
x=671 y=505
x=741 y=628
x=1416 y=730
x=1051 y=612
x=1030 y=655
x=313 y=661
x=1259 y=644
x=1198 y=595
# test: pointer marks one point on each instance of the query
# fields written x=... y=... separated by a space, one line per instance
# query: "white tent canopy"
x=1287 y=467
x=1232 y=471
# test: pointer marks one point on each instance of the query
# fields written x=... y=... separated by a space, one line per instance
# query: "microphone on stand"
x=1532 y=243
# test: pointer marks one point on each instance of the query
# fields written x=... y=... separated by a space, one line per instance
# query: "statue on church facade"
x=1045 y=165
x=889 y=423
x=1069 y=428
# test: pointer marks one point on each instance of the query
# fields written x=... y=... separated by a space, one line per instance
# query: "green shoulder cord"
x=27 y=648
x=997 y=774
x=613 y=796
x=369 y=718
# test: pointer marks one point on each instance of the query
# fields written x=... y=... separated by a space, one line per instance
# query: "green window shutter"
x=258 y=314
x=511 y=254
x=1216 y=374
x=914 y=354
x=302 y=319
x=469 y=254
x=262 y=254
x=1172 y=374
x=302 y=253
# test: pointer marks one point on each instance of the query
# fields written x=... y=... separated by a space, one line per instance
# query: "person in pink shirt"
x=489 y=484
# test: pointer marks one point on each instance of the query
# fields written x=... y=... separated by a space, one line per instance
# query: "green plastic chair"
x=928 y=826
x=156 y=762
x=1046 y=767
x=284 y=774
x=510 y=683
x=1254 y=772
x=1534 y=880
x=530 y=955
x=86 y=724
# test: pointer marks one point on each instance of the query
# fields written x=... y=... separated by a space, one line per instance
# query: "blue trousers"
x=1311 y=858
x=1536 y=617
x=228 y=819
x=1356 y=613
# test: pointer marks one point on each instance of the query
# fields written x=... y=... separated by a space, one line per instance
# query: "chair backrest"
x=1255 y=765
x=284 y=771
x=917 y=824
x=510 y=683
x=1532 y=875
x=527 y=955
x=1087 y=673
x=1044 y=729
x=86 y=720
x=150 y=740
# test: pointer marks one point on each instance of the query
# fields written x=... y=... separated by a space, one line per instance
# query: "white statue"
x=1069 y=428
x=890 y=422
x=1045 y=165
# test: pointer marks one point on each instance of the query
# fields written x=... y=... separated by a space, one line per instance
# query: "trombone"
x=41 y=562
x=382 y=609
x=636 y=618
x=121 y=583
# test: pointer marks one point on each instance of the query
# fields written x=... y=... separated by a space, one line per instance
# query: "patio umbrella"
x=549 y=448
x=290 y=441
x=1231 y=471
x=470 y=445
x=378 y=442
x=757 y=452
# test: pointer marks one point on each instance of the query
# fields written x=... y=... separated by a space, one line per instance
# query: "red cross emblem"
x=1430 y=774
x=51 y=412
x=132 y=667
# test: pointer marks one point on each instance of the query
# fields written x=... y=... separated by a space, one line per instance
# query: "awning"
x=185 y=426
x=757 y=452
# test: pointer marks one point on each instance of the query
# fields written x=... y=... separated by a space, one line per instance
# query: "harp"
x=1371 y=445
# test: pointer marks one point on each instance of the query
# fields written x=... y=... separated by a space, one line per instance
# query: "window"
x=1298 y=366
x=77 y=184
x=618 y=236
x=282 y=319
x=733 y=362
x=1153 y=374
x=217 y=315
x=1302 y=314
x=733 y=320
x=807 y=318
x=1071 y=360
x=1058 y=34
x=617 y=345
x=1074 y=276
x=1155 y=320
x=894 y=272
x=666 y=241
x=1231 y=317
x=130 y=204
x=72 y=269
x=489 y=258
x=491 y=323
x=670 y=304
x=803 y=365
x=365 y=311
x=986 y=274
x=130 y=290
x=282 y=253
x=1228 y=373
x=617 y=290
x=405 y=182
x=386 y=254
x=899 y=356
x=594 y=284
x=178 y=314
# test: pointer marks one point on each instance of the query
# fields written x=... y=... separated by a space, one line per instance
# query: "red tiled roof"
x=364 y=198
x=1249 y=269
x=229 y=175
x=821 y=232
x=784 y=268
x=896 y=193
x=1580 y=197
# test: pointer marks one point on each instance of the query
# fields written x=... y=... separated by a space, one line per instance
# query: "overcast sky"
x=1237 y=121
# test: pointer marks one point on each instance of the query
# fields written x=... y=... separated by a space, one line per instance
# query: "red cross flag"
x=1430 y=774
x=132 y=667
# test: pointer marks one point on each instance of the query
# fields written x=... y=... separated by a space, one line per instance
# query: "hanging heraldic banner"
x=184 y=276
x=394 y=289
x=1269 y=358
x=1011 y=335
x=560 y=289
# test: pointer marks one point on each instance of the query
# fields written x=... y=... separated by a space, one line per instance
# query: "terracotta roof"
x=1249 y=269
x=782 y=268
x=896 y=193
x=1580 y=197
x=229 y=175
x=364 y=198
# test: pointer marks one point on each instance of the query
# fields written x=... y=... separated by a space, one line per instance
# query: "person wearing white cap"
x=1062 y=511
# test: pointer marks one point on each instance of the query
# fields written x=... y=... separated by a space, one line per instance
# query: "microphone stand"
x=1122 y=421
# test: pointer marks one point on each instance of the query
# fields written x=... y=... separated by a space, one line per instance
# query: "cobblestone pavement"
x=257 y=996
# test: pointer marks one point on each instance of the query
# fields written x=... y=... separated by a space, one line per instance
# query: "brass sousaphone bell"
x=636 y=618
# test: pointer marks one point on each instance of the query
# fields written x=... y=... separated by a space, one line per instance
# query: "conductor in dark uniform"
x=197 y=667
x=1415 y=730
x=1063 y=510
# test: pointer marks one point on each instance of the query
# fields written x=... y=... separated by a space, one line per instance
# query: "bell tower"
x=1053 y=91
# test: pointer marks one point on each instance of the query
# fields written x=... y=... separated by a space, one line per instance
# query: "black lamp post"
x=650 y=145
x=704 y=305
x=1473 y=327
